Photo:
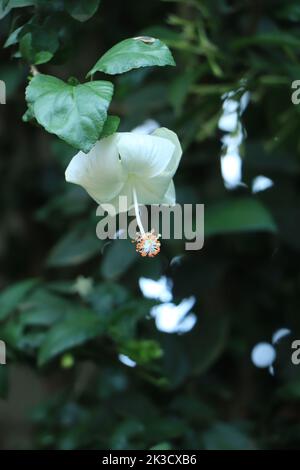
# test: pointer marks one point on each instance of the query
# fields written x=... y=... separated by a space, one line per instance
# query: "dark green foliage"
x=197 y=390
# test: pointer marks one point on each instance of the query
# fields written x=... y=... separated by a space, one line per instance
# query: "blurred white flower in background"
x=231 y=161
x=230 y=122
x=126 y=360
x=176 y=261
x=229 y=105
x=158 y=290
x=279 y=334
x=263 y=354
x=231 y=169
x=83 y=285
x=261 y=183
x=244 y=101
x=169 y=317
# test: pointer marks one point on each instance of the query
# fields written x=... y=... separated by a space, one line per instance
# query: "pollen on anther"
x=147 y=244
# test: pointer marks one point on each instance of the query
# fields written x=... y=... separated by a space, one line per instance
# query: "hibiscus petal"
x=149 y=191
x=172 y=137
x=152 y=190
x=170 y=195
x=144 y=155
x=122 y=202
x=100 y=171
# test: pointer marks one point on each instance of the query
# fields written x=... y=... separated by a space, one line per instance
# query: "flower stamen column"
x=147 y=243
x=137 y=212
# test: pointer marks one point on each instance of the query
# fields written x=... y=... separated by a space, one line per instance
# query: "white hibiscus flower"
x=140 y=167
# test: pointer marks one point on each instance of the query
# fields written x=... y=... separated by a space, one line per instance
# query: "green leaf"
x=111 y=126
x=82 y=10
x=32 y=55
x=7 y=6
x=122 y=322
x=175 y=361
x=106 y=297
x=124 y=433
x=30 y=342
x=119 y=256
x=207 y=341
x=38 y=43
x=75 y=247
x=277 y=39
x=76 y=114
x=143 y=351
x=61 y=287
x=240 y=215
x=166 y=428
x=12 y=332
x=28 y=115
x=223 y=436
x=13 y=295
x=162 y=446
x=73 y=332
x=44 y=308
x=133 y=53
x=13 y=38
